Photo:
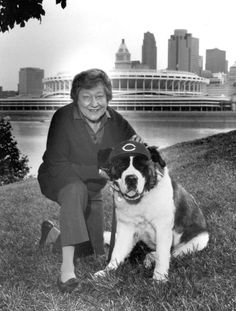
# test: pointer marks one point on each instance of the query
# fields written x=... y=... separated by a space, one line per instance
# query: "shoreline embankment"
x=216 y=116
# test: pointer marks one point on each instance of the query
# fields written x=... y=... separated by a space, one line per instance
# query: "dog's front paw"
x=149 y=261
x=160 y=277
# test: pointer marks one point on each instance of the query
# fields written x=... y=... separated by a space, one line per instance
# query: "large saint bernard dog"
x=150 y=207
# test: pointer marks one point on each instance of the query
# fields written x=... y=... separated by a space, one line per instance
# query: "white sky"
x=87 y=33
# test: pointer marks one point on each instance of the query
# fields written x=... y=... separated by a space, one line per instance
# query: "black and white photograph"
x=117 y=155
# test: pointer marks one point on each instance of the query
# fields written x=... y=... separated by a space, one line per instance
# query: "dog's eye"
x=121 y=163
x=119 y=166
x=140 y=163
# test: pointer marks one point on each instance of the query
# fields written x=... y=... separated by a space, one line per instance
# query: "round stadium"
x=147 y=90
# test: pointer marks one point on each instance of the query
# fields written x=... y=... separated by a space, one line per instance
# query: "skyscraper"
x=183 y=52
x=123 y=57
x=232 y=73
x=30 y=81
x=149 y=51
x=216 y=61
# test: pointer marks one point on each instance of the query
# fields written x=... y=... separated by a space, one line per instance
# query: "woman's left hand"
x=137 y=138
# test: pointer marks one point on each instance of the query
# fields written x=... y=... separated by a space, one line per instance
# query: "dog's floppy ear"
x=155 y=156
x=103 y=162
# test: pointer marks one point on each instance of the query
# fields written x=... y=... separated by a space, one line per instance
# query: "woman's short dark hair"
x=89 y=79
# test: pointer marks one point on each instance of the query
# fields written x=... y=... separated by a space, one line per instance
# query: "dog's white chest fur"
x=156 y=208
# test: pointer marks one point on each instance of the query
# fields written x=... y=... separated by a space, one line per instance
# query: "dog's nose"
x=131 y=181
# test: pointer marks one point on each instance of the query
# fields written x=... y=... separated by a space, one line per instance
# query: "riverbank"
x=219 y=116
x=40 y=116
x=201 y=281
x=190 y=116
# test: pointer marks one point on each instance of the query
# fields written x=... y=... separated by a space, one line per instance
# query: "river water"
x=157 y=129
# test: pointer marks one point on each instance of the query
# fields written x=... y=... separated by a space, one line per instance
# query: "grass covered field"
x=201 y=281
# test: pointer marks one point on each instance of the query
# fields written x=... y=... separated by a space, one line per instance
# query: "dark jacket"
x=71 y=154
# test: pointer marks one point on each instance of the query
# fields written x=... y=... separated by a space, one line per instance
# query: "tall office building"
x=30 y=81
x=149 y=51
x=232 y=74
x=216 y=61
x=183 y=52
x=200 y=64
x=123 y=57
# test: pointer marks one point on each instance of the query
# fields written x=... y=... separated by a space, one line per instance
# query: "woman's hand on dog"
x=137 y=138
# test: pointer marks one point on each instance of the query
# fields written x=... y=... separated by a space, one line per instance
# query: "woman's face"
x=93 y=102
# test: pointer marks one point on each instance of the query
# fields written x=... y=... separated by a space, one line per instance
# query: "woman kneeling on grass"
x=69 y=173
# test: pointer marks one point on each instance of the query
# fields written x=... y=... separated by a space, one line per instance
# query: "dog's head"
x=133 y=167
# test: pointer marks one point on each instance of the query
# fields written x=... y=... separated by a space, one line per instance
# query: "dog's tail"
x=196 y=244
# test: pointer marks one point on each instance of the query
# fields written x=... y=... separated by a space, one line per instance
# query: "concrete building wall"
x=218 y=89
x=194 y=55
x=216 y=60
x=30 y=81
x=149 y=51
x=123 y=57
x=183 y=52
x=232 y=74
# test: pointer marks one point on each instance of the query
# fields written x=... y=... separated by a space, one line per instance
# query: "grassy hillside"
x=202 y=281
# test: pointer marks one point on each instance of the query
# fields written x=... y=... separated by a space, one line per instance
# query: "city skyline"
x=88 y=35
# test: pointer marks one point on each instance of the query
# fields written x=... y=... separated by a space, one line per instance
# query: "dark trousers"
x=81 y=219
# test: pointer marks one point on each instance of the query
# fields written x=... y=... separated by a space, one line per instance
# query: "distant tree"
x=13 y=166
x=18 y=12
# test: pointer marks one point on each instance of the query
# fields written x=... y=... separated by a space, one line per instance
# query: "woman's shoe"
x=68 y=286
x=45 y=229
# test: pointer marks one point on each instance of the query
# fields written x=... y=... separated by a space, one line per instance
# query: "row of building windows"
x=169 y=105
x=148 y=84
x=127 y=108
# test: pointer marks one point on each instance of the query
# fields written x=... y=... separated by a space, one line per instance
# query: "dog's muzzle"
x=131 y=194
x=131 y=181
